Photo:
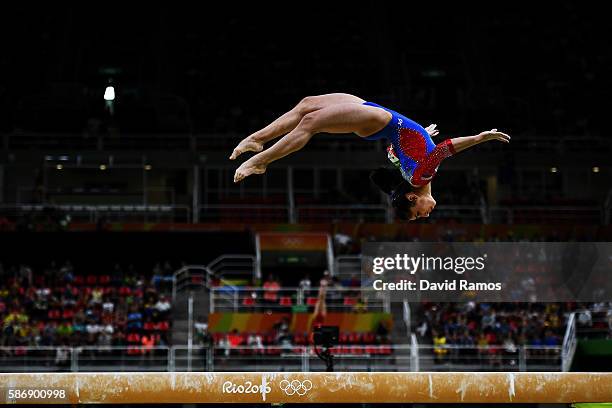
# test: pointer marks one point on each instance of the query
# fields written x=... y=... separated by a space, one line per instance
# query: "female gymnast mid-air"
x=411 y=148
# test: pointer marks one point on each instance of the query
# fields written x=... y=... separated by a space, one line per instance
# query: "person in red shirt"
x=271 y=288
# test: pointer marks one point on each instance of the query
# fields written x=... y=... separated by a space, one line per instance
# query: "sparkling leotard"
x=418 y=157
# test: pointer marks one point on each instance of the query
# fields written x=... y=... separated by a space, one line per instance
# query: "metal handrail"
x=235 y=294
x=303 y=352
x=569 y=343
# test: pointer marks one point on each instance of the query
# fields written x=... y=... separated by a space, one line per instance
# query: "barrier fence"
x=27 y=140
x=245 y=299
x=108 y=213
x=309 y=213
x=287 y=357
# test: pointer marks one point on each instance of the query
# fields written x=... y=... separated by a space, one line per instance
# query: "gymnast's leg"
x=288 y=121
x=342 y=118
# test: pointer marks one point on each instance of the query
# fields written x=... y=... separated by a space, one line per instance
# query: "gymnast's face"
x=423 y=205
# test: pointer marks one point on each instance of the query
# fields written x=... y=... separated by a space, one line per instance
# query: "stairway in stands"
x=180 y=324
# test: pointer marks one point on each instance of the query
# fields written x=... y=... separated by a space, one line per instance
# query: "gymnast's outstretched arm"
x=462 y=143
x=428 y=167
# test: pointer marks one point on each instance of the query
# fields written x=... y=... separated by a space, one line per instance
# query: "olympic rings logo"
x=295 y=387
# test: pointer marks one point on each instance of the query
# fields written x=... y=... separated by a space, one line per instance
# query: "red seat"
x=133 y=350
x=386 y=350
x=248 y=301
x=372 y=350
x=54 y=314
x=368 y=338
x=311 y=301
x=285 y=301
x=92 y=279
x=350 y=301
x=67 y=314
x=356 y=350
x=104 y=280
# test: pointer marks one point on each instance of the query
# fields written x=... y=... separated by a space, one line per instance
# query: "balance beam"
x=196 y=387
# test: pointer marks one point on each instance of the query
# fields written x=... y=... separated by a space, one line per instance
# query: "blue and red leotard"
x=417 y=156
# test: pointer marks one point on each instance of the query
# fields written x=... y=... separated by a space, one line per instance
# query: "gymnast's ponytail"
x=391 y=182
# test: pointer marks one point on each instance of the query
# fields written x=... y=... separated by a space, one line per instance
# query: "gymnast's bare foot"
x=247 y=168
x=246 y=145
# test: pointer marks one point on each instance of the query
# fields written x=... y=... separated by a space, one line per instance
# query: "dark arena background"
x=134 y=270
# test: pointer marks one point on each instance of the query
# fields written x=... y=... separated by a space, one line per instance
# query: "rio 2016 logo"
x=247 y=388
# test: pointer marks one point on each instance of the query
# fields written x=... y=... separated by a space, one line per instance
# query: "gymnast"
x=411 y=148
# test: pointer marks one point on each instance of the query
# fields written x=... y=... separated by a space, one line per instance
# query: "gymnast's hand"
x=493 y=134
x=431 y=129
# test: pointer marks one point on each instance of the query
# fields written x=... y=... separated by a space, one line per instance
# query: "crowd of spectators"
x=275 y=295
x=61 y=306
x=491 y=331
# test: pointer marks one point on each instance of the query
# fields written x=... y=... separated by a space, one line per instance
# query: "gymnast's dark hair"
x=391 y=182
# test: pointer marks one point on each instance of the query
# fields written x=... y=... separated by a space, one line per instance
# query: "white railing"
x=594 y=322
x=244 y=213
x=348 y=266
x=313 y=213
x=189 y=276
x=61 y=141
x=347 y=212
x=490 y=358
x=224 y=268
x=569 y=343
x=378 y=213
x=94 y=213
x=538 y=214
x=467 y=213
x=130 y=358
x=247 y=299
x=407 y=317
x=374 y=357
x=233 y=266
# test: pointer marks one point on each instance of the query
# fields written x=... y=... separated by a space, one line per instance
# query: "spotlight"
x=103 y=167
x=148 y=167
x=109 y=93
x=595 y=169
x=553 y=170
x=59 y=167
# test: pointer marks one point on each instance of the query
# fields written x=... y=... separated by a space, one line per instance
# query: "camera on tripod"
x=326 y=336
